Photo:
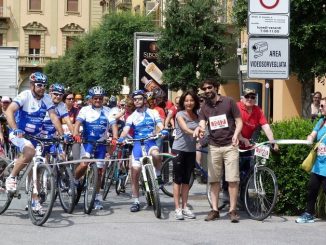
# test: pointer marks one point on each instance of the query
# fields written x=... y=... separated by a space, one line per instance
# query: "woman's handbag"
x=308 y=163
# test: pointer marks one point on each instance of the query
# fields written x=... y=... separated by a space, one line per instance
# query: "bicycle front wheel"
x=66 y=188
x=153 y=190
x=108 y=179
x=90 y=188
x=260 y=193
x=45 y=185
x=5 y=198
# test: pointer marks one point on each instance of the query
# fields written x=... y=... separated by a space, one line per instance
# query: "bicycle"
x=117 y=171
x=39 y=181
x=148 y=178
x=64 y=178
x=90 y=181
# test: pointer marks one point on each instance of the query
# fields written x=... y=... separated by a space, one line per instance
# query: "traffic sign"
x=268 y=58
x=268 y=24
x=269 y=6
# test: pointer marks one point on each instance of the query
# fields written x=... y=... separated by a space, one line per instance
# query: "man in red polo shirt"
x=253 y=118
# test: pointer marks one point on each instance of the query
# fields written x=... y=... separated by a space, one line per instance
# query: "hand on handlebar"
x=19 y=133
x=77 y=138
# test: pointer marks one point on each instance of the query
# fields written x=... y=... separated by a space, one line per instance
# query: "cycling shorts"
x=86 y=151
x=20 y=142
x=150 y=145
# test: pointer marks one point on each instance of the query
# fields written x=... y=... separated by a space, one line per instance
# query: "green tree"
x=102 y=57
x=192 y=43
x=307 y=42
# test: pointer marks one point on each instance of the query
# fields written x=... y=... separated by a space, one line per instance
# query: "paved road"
x=116 y=225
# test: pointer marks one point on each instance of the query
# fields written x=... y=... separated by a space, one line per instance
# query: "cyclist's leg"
x=28 y=152
x=99 y=154
x=85 y=153
x=135 y=174
x=153 y=150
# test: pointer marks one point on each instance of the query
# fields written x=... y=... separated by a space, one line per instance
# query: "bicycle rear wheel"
x=66 y=188
x=167 y=177
x=260 y=193
x=108 y=179
x=153 y=190
x=90 y=188
x=46 y=194
x=5 y=198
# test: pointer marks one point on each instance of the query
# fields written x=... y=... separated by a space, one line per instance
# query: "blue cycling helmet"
x=139 y=92
x=97 y=90
x=57 y=87
x=38 y=77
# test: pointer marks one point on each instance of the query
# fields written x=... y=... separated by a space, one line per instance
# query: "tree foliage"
x=102 y=57
x=307 y=40
x=192 y=42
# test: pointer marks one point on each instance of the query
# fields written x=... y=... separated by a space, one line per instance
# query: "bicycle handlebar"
x=149 y=137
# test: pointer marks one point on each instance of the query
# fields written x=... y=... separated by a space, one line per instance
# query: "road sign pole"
x=267 y=88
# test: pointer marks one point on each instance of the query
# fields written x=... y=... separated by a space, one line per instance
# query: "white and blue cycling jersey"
x=48 y=129
x=144 y=123
x=32 y=111
x=95 y=122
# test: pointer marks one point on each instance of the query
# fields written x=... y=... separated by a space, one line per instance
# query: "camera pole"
x=267 y=88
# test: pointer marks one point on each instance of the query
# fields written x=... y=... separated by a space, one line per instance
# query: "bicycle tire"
x=167 y=177
x=260 y=202
x=154 y=191
x=46 y=193
x=5 y=198
x=90 y=188
x=66 y=188
x=108 y=179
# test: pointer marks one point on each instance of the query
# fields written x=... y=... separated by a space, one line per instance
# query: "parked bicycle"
x=37 y=180
x=117 y=171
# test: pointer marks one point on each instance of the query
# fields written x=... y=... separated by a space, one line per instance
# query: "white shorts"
x=19 y=142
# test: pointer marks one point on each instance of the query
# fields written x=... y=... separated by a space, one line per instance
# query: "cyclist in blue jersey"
x=30 y=107
x=144 y=122
x=56 y=91
x=96 y=120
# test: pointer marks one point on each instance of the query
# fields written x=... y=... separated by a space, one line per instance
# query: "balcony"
x=123 y=4
x=33 y=61
x=5 y=12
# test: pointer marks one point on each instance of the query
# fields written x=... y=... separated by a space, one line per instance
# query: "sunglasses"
x=69 y=98
x=40 y=85
x=138 y=99
x=208 y=87
x=253 y=97
x=97 y=98
x=57 y=94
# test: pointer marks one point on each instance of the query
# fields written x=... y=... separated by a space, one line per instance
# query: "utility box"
x=8 y=71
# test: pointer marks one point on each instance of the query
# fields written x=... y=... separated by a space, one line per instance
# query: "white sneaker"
x=37 y=208
x=11 y=184
x=188 y=213
x=178 y=214
x=98 y=205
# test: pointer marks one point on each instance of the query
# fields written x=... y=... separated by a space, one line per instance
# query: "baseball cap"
x=5 y=99
x=249 y=91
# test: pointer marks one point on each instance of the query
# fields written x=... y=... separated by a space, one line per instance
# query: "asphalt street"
x=116 y=225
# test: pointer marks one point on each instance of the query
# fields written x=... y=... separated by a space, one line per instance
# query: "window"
x=34 y=45
x=35 y=5
x=72 y=5
x=69 y=42
x=1 y=39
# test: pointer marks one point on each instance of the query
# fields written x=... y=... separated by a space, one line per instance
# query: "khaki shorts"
x=219 y=157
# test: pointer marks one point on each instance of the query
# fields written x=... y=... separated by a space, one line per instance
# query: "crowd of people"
x=225 y=125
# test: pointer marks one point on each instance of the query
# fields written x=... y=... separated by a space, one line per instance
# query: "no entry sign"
x=269 y=6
